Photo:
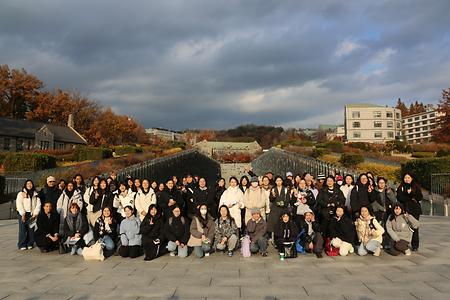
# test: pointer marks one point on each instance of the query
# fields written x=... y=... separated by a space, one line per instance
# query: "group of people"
x=142 y=217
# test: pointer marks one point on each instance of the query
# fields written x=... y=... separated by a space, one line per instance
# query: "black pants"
x=130 y=251
x=45 y=243
x=415 y=236
x=152 y=250
x=280 y=244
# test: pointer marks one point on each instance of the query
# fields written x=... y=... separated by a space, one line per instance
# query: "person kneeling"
x=129 y=234
x=370 y=233
x=202 y=232
x=342 y=232
x=105 y=230
x=285 y=233
x=225 y=232
x=312 y=240
x=47 y=233
x=151 y=230
x=400 y=227
x=256 y=229
x=176 y=230
x=75 y=227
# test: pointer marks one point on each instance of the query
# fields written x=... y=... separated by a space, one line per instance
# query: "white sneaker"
x=351 y=251
x=377 y=252
x=206 y=254
x=23 y=248
x=172 y=254
x=408 y=252
x=30 y=247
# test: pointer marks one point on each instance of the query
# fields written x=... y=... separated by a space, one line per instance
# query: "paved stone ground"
x=425 y=275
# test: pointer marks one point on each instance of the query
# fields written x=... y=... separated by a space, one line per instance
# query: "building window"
x=410 y=130
x=377 y=114
x=431 y=115
x=416 y=118
x=417 y=124
x=389 y=114
x=417 y=129
x=377 y=124
x=44 y=145
x=409 y=120
x=377 y=134
x=418 y=135
x=30 y=145
x=355 y=114
x=424 y=122
x=397 y=115
x=424 y=117
x=356 y=135
x=399 y=125
x=390 y=124
x=356 y=124
x=19 y=145
x=390 y=134
x=6 y=144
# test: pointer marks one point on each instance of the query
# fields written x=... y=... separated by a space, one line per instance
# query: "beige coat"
x=365 y=234
x=254 y=198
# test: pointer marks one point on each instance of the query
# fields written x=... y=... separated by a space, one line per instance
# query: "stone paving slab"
x=424 y=275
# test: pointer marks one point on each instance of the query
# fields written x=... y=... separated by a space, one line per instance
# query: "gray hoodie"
x=399 y=228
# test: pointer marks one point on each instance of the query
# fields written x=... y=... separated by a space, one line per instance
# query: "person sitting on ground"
x=370 y=233
x=176 y=231
x=152 y=233
x=330 y=197
x=75 y=227
x=286 y=231
x=202 y=232
x=105 y=229
x=311 y=239
x=225 y=231
x=130 y=236
x=69 y=195
x=47 y=233
x=400 y=226
x=256 y=229
x=342 y=231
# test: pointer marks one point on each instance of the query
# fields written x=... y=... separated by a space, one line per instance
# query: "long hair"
x=229 y=217
x=32 y=190
x=203 y=221
x=398 y=204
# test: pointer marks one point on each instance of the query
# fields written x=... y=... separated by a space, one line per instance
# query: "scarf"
x=70 y=221
x=69 y=193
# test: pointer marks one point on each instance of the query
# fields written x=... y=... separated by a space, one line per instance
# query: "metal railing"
x=280 y=161
x=440 y=191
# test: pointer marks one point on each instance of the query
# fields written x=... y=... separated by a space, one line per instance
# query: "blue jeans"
x=26 y=234
x=109 y=243
x=182 y=251
x=259 y=245
x=201 y=250
x=371 y=246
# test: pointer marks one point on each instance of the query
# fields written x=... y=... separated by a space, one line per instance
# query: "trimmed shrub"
x=443 y=152
x=351 y=159
x=318 y=152
x=421 y=169
x=335 y=146
x=122 y=150
x=26 y=161
x=91 y=153
x=423 y=154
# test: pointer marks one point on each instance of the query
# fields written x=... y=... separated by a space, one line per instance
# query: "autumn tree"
x=17 y=90
x=442 y=133
x=402 y=107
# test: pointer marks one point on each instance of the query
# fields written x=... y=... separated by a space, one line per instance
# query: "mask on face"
x=254 y=184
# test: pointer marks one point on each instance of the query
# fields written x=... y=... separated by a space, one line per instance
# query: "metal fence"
x=439 y=192
x=280 y=161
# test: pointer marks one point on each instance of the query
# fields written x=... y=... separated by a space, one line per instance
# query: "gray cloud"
x=218 y=64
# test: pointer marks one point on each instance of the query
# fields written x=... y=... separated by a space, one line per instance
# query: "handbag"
x=329 y=249
x=298 y=243
x=401 y=245
x=94 y=252
x=290 y=250
x=245 y=247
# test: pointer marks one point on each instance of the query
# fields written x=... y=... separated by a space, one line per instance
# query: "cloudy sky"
x=217 y=64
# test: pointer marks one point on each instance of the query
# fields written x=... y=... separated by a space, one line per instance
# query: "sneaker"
x=73 y=251
x=319 y=255
x=172 y=254
x=230 y=253
x=407 y=252
x=351 y=251
x=30 y=247
x=414 y=249
x=23 y=248
x=206 y=254
x=264 y=254
x=377 y=252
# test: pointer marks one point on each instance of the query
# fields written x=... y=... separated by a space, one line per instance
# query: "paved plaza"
x=425 y=275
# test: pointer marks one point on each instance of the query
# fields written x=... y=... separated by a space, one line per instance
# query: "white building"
x=418 y=128
x=165 y=134
x=372 y=123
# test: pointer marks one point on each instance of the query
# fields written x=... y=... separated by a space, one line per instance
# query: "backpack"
x=245 y=248
x=329 y=249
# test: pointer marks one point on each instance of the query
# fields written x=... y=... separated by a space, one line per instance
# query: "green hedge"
x=423 y=154
x=351 y=159
x=422 y=169
x=122 y=150
x=318 y=152
x=443 y=152
x=91 y=153
x=24 y=161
